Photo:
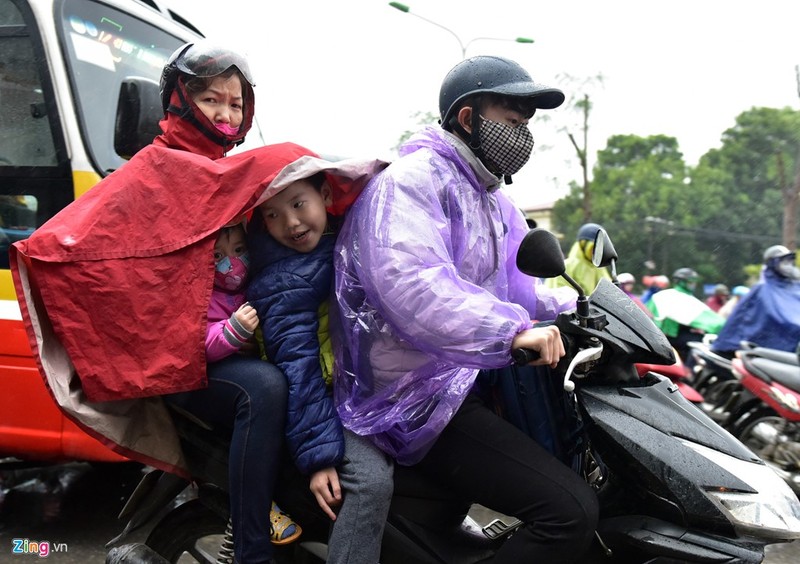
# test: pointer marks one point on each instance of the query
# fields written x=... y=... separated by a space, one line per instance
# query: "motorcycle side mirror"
x=540 y=254
x=604 y=253
x=138 y=113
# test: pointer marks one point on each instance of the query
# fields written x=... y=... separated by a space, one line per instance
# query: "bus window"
x=104 y=46
x=25 y=136
x=17 y=221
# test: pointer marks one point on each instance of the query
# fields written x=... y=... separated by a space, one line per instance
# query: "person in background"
x=579 y=261
x=720 y=296
x=680 y=315
x=627 y=281
x=737 y=294
x=429 y=294
x=769 y=314
x=653 y=283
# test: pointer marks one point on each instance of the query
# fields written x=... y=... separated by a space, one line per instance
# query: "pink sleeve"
x=217 y=346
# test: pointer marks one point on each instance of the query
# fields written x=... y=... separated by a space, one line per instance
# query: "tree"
x=423 y=118
x=635 y=178
x=716 y=218
x=754 y=175
x=581 y=103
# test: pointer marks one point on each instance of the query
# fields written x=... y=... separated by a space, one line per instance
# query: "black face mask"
x=505 y=149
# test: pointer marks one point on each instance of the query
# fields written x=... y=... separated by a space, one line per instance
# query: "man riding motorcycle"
x=769 y=314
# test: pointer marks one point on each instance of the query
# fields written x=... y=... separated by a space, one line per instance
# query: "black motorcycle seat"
x=785 y=357
x=773 y=371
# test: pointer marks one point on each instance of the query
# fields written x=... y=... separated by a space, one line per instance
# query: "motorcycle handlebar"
x=524 y=356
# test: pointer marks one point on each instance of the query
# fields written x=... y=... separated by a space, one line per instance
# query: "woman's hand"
x=325 y=487
x=544 y=340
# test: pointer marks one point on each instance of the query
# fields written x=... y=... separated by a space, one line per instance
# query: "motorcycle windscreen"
x=630 y=327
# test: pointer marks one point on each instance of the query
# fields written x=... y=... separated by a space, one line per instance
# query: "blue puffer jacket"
x=287 y=289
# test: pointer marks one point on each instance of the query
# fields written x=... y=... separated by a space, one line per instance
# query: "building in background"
x=542 y=214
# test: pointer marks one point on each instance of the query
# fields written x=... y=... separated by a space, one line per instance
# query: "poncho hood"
x=346 y=178
x=185 y=127
x=114 y=289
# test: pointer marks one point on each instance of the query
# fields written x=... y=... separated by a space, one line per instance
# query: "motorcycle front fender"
x=640 y=430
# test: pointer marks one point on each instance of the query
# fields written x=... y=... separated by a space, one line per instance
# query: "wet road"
x=74 y=510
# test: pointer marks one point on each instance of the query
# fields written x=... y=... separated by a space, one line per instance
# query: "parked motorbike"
x=678 y=373
x=767 y=415
x=673 y=485
x=713 y=377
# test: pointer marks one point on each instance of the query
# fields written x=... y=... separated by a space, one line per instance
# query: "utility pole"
x=791 y=193
x=583 y=158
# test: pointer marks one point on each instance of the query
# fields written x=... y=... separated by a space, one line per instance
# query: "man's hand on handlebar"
x=546 y=341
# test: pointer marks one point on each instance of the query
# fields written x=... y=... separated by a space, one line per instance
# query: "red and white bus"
x=73 y=108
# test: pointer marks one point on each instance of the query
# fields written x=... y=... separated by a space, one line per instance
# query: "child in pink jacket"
x=231 y=323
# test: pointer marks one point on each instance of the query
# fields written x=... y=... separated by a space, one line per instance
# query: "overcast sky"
x=346 y=77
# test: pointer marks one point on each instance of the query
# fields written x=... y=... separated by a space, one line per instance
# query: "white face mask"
x=787 y=269
x=506 y=149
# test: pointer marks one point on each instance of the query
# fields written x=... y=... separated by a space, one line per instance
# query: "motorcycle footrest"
x=499 y=528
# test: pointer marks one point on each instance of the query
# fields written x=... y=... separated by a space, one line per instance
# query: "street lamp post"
x=407 y=10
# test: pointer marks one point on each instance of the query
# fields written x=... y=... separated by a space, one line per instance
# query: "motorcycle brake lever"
x=583 y=355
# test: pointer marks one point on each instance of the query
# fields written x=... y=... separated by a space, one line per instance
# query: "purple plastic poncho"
x=428 y=293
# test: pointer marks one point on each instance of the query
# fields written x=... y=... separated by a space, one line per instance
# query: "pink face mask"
x=231 y=273
x=227 y=129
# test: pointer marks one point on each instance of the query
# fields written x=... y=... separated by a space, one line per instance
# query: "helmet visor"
x=206 y=60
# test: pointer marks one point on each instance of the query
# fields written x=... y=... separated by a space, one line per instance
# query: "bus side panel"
x=32 y=426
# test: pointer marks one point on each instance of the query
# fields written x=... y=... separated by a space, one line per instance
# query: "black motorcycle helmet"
x=496 y=75
x=492 y=76
x=205 y=59
x=202 y=59
x=588 y=231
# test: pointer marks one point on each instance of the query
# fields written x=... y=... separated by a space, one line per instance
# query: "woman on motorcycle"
x=125 y=277
x=579 y=261
x=207 y=95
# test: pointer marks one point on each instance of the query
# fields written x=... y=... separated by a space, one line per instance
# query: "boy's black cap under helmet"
x=484 y=74
x=202 y=59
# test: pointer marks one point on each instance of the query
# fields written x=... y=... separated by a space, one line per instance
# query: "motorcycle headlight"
x=772 y=512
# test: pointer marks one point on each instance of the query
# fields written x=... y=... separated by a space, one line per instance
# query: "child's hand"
x=325 y=487
x=247 y=316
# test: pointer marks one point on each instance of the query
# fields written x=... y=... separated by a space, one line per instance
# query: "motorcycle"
x=678 y=372
x=767 y=415
x=672 y=485
x=713 y=377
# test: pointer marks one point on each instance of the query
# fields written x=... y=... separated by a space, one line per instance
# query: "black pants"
x=486 y=460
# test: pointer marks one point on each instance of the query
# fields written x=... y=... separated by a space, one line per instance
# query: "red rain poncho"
x=115 y=288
